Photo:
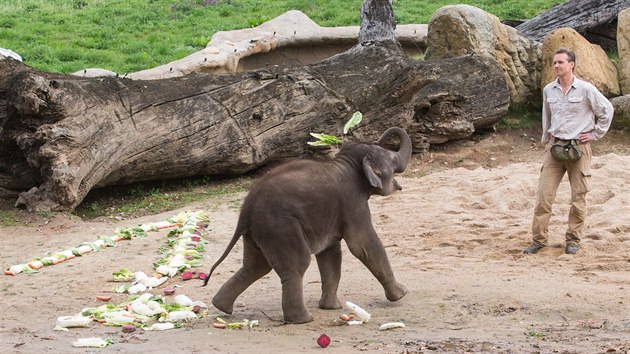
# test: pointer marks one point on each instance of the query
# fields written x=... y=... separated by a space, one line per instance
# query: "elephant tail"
x=235 y=237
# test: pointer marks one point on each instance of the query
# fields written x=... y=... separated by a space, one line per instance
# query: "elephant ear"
x=371 y=174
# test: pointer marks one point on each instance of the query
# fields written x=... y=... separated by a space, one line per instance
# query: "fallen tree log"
x=61 y=136
x=594 y=19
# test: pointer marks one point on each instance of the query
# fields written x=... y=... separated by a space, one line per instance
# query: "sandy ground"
x=454 y=236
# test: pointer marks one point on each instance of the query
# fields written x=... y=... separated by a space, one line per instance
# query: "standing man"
x=574 y=111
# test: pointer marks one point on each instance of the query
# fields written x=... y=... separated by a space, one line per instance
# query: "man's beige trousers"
x=551 y=174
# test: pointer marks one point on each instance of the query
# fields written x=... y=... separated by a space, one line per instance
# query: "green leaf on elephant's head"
x=324 y=140
x=353 y=122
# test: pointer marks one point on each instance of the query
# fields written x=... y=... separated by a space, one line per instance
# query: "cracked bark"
x=61 y=136
x=594 y=19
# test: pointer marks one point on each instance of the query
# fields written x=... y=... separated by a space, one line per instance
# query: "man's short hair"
x=568 y=52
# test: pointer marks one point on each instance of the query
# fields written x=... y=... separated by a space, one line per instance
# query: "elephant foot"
x=297 y=319
x=329 y=303
x=395 y=292
x=225 y=306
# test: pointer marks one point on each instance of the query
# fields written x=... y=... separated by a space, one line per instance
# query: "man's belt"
x=573 y=141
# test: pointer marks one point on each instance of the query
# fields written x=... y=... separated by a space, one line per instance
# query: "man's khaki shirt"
x=583 y=109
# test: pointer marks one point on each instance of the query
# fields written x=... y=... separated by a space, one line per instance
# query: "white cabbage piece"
x=90 y=343
x=359 y=312
x=18 y=268
x=160 y=326
x=73 y=321
x=391 y=325
x=166 y=270
x=138 y=288
x=180 y=316
x=183 y=300
x=144 y=298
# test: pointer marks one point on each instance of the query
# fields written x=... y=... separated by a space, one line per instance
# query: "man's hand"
x=585 y=137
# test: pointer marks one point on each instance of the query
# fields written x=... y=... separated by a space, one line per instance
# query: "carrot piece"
x=103 y=298
x=8 y=272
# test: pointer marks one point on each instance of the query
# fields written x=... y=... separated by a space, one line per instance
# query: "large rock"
x=623 y=47
x=465 y=30
x=621 y=119
x=591 y=64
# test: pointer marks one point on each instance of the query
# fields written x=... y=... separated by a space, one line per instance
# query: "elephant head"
x=380 y=164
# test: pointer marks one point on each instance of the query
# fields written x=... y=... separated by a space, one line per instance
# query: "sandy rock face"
x=464 y=30
x=591 y=63
x=623 y=47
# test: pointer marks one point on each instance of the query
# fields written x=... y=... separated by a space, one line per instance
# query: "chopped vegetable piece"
x=35 y=264
x=103 y=298
x=122 y=275
x=345 y=317
x=391 y=325
x=73 y=321
x=128 y=328
x=359 y=312
x=323 y=341
x=161 y=326
x=324 y=140
x=353 y=122
x=183 y=300
x=121 y=289
x=91 y=343
x=181 y=316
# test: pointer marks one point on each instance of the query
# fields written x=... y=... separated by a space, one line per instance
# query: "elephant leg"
x=290 y=260
x=255 y=266
x=329 y=263
x=367 y=247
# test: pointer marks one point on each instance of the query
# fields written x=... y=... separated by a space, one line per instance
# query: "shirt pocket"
x=552 y=100
x=576 y=105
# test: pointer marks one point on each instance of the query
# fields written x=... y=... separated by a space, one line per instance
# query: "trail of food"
x=181 y=219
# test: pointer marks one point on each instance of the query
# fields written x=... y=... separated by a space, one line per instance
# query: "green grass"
x=520 y=117
x=153 y=197
x=131 y=35
x=8 y=218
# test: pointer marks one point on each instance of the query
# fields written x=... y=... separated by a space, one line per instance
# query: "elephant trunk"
x=404 y=149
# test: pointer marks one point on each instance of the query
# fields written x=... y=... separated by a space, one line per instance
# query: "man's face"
x=561 y=64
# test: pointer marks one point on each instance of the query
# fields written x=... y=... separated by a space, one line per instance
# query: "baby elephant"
x=307 y=207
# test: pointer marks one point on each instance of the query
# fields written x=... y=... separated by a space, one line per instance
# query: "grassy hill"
x=131 y=35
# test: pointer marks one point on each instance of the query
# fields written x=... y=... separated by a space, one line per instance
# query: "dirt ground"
x=454 y=235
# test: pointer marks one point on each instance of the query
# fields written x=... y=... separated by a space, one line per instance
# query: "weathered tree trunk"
x=61 y=136
x=588 y=17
